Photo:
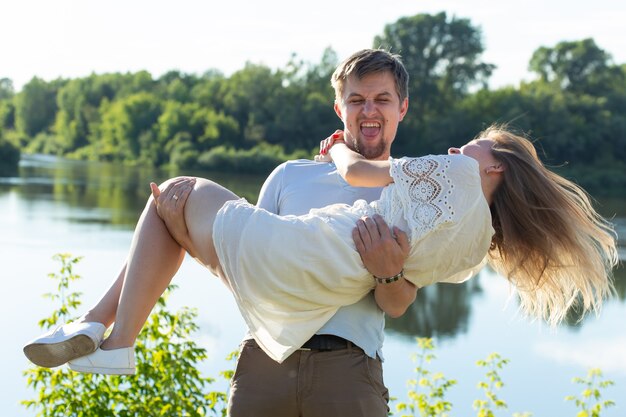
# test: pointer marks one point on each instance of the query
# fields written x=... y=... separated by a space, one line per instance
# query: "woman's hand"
x=326 y=144
x=170 y=204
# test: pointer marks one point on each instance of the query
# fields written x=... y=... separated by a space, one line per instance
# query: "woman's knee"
x=207 y=193
x=173 y=180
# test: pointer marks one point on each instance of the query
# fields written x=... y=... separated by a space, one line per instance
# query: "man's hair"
x=371 y=61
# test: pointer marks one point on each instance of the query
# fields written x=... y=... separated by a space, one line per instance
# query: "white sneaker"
x=65 y=343
x=109 y=362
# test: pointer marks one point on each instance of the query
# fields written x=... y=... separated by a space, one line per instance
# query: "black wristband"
x=389 y=280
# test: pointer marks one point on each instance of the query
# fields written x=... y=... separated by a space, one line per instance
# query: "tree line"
x=254 y=119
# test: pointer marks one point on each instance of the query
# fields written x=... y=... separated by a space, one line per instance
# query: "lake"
x=89 y=209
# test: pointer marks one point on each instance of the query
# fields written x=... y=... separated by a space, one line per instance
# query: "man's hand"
x=170 y=205
x=383 y=254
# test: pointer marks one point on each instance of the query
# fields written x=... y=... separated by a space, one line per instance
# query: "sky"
x=74 y=38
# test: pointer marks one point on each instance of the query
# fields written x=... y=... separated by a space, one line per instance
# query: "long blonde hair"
x=549 y=241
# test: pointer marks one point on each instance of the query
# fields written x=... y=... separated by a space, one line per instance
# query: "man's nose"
x=453 y=151
x=369 y=107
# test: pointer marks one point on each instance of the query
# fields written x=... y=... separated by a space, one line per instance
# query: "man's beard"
x=369 y=152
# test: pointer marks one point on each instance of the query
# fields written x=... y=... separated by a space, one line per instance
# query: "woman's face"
x=480 y=150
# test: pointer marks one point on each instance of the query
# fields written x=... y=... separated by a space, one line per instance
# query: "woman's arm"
x=354 y=167
x=358 y=171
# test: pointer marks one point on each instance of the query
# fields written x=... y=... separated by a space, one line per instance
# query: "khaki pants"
x=310 y=383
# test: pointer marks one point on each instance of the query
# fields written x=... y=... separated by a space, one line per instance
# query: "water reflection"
x=108 y=193
x=443 y=310
x=438 y=311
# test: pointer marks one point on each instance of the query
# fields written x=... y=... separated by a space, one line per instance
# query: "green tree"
x=9 y=156
x=178 y=118
x=581 y=78
x=309 y=116
x=126 y=124
x=138 y=82
x=578 y=66
x=207 y=90
x=79 y=102
x=442 y=56
x=189 y=129
x=176 y=86
x=35 y=107
x=581 y=132
x=6 y=89
x=202 y=124
x=7 y=114
x=252 y=96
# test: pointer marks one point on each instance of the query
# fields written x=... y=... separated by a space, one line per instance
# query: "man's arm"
x=383 y=255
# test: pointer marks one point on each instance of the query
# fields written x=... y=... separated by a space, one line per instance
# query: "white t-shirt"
x=295 y=187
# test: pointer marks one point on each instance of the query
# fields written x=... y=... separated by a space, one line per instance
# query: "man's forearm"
x=395 y=297
x=383 y=254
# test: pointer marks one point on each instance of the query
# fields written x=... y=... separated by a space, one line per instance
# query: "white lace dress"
x=290 y=274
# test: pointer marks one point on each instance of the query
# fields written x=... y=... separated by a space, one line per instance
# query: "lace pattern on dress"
x=427 y=187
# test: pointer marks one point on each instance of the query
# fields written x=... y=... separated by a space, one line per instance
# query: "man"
x=338 y=372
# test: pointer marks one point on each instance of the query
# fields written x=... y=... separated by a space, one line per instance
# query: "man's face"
x=371 y=110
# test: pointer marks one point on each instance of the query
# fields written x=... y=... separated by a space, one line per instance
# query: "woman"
x=492 y=201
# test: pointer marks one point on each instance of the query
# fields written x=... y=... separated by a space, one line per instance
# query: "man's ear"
x=338 y=110
x=404 y=108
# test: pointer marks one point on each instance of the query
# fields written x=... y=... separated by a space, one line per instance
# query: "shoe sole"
x=104 y=371
x=51 y=355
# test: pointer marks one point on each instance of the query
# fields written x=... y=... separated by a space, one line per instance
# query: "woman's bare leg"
x=155 y=257
x=152 y=262
x=105 y=309
x=201 y=209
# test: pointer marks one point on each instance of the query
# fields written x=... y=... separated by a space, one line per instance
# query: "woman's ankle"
x=89 y=318
x=113 y=343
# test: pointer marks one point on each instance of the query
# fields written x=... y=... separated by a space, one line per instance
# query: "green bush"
x=45 y=143
x=184 y=156
x=261 y=159
x=167 y=382
x=590 y=400
x=427 y=392
x=602 y=181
